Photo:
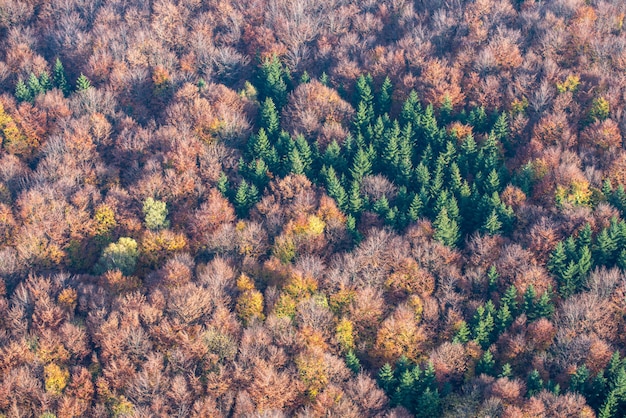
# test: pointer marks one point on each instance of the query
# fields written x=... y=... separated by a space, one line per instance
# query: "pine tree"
x=446 y=230
x=422 y=175
x=82 y=83
x=361 y=165
x=58 y=77
x=558 y=258
x=503 y=318
x=333 y=157
x=609 y=407
x=506 y=371
x=273 y=81
x=22 y=93
x=578 y=382
x=324 y=79
x=334 y=187
x=386 y=379
x=305 y=153
x=404 y=392
x=411 y=109
x=296 y=166
x=384 y=98
x=484 y=327
x=364 y=95
x=568 y=279
x=529 y=300
x=605 y=249
x=353 y=363
x=259 y=146
x=415 y=208
x=534 y=383
x=390 y=154
x=361 y=118
x=269 y=117
x=241 y=199
x=584 y=266
x=445 y=110
x=584 y=237
x=492 y=225
x=486 y=364
x=544 y=308
x=305 y=78
x=355 y=201
x=45 y=82
x=34 y=86
x=463 y=334
x=222 y=184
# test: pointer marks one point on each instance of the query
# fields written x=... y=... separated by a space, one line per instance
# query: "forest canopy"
x=268 y=208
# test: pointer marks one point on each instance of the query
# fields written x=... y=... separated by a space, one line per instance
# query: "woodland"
x=312 y=208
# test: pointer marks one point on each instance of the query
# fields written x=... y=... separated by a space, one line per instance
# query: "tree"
x=334 y=187
x=82 y=83
x=353 y=363
x=384 y=97
x=361 y=165
x=273 y=79
x=34 y=86
x=269 y=117
x=386 y=379
x=22 y=92
x=486 y=364
x=155 y=214
x=58 y=77
x=121 y=255
x=446 y=230
x=463 y=334
x=492 y=225
x=534 y=383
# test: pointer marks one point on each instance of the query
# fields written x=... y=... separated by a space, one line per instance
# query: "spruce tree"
x=463 y=334
x=557 y=261
x=364 y=95
x=534 y=383
x=361 y=165
x=415 y=208
x=486 y=364
x=353 y=363
x=58 y=77
x=446 y=230
x=355 y=201
x=269 y=117
x=411 y=109
x=529 y=300
x=578 y=382
x=386 y=379
x=492 y=225
x=605 y=249
x=334 y=187
x=296 y=166
x=273 y=81
x=506 y=371
x=305 y=153
x=22 y=93
x=34 y=86
x=259 y=146
x=241 y=199
x=45 y=82
x=384 y=98
x=504 y=318
x=82 y=83
x=222 y=184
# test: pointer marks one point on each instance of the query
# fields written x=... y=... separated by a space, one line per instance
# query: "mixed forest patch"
x=268 y=208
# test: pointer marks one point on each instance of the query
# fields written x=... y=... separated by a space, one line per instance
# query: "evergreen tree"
x=568 y=280
x=404 y=392
x=492 y=225
x=558 y=258
x=411 y=110
x=529 y=300
x=45 y=82
x=506 y=371
x=534 y=383
x=22 y=93
x=361 y=165
x=584 y=266
x=428 y=404
x=578 y=382
x=415 y=208
x=34 y=86
x=504 y=318
x=353 y=363
x=269 y=117
x=386 y=379
x=544 y=308
x=259 y=146
x=486 y=364
x=305 y=78
x=584 y=237
x=384 y=98
x=390 y=154
x=484 y=327
x=241 y=199
x=609 y=407
x=305 y=152
x=446 y=230
x=605 y=249
x=222 y=184
x=324 y=79
x=334 y=187
x=58 y=77
x=364 y=95
x=82 y=83
x=273 y=81
x=463 y=334
x=355 y=201
x=332 y=157
x=296 y=166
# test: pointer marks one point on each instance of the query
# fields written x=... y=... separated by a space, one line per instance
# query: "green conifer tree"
x=361 y=165
x=58 y=77
x=492 y=225
x=534 y=383
x=22 y=93
x=384 y=98
x=82 y=83
x=45 y=82
x=463 y=334
x=334 y=187
x=386 y=379
x=486 y=364
x=446 y=230
x=269 y=117
x=353 y=363
x=34 y=86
